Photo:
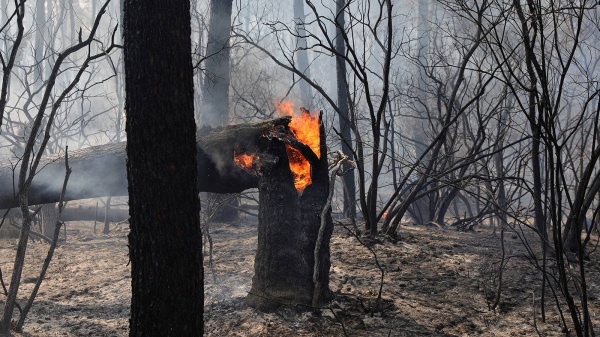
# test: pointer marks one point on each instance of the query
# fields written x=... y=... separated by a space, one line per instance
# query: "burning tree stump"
x=288 y=226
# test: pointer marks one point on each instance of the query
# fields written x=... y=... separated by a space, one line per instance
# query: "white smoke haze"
x=429 y=42
x=93 y=113
x=89 y=114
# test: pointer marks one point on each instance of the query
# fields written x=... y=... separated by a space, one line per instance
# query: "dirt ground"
x=437 y=282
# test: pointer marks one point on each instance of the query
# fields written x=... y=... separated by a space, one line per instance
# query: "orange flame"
x=243 y=160
x=306 y=129
x=285 y=108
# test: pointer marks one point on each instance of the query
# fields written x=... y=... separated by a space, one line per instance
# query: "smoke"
x=96 y=171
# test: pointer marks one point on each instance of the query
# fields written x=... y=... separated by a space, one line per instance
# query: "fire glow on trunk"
x=243 y=160
x=305 y=127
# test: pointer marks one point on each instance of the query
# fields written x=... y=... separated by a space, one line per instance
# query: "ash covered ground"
x=437 y=282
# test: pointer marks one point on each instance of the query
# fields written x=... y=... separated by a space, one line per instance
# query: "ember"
x=305 y=128
x=244 y=160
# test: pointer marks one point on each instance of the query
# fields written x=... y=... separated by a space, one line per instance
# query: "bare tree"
x=544 y=53
x=420 y=209
x=215 y=89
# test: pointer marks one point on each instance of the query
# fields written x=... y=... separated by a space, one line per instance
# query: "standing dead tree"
x=459 y=111
x=336 y=169
x=165 y=237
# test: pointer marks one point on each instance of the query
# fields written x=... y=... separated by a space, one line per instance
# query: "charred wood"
x=100 y=171
x=288 y=229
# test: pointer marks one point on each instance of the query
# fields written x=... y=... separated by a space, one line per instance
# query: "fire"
x=285 y=108
x=306 y=129
x=243 y=160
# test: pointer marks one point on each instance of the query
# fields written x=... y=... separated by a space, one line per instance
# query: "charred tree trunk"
x=287 y=233
x=165 y=246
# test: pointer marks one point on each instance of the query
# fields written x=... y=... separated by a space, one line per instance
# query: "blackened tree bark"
x=165 y=238
x=535 y=123
x=288 y=226
x=344 y=114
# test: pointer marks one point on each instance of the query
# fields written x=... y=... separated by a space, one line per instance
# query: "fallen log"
x=100 y=171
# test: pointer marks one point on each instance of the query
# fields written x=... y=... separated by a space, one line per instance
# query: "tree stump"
x=288 y=226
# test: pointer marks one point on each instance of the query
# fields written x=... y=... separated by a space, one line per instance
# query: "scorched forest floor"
x=437 y=282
